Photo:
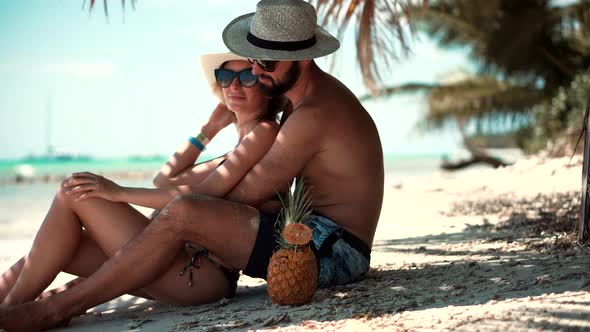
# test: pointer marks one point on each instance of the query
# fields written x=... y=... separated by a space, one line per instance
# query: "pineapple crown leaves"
x=296 y=207
x=296 y=203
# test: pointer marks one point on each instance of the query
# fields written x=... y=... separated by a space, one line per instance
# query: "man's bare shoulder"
x=329 y=106
x=271 y=126
x=330 y=94
x=307 y=114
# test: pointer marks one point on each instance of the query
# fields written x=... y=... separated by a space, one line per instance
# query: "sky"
x=131 y=84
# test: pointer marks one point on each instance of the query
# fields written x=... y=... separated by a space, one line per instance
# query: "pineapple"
x=292 y=271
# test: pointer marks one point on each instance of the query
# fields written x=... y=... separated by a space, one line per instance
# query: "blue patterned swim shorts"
x=342 y=257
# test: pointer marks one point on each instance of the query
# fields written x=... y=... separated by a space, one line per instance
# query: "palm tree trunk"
x=583 y=231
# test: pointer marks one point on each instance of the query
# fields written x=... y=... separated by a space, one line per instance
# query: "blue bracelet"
x=196 y=143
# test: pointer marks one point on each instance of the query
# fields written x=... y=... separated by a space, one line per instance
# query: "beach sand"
x=475 y=250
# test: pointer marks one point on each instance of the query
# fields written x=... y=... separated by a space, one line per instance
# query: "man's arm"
x=296 y=143
x=182 y=161
x=221 y=181
x=239 y=161
x=179 y=162
x=193 y=175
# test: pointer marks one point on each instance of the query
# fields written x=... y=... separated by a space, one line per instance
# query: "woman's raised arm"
x=181 y=168
x=239 y=161
x=220 y=182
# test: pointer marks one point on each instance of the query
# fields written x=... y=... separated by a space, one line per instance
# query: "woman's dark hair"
x=277 y=105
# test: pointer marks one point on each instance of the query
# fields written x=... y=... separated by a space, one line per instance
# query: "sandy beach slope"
x=476 y=250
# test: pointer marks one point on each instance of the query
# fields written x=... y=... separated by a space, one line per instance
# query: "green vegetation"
x=533 y=58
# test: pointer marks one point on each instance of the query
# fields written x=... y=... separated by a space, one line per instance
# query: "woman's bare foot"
x=31 y=316
x=60 y=289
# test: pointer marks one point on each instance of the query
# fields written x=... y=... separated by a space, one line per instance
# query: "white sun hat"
x=279 y=30
x=210 y=62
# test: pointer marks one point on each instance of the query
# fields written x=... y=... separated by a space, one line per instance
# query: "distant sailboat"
x=53 y=153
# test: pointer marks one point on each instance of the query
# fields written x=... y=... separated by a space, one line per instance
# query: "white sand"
x=456 y=252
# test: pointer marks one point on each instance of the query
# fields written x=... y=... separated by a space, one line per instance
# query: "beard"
x=276 y=89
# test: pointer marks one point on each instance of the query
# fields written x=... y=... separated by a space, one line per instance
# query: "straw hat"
x=210 y=62
x=279 y=30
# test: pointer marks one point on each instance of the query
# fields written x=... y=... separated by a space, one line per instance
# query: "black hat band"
x=280 y=45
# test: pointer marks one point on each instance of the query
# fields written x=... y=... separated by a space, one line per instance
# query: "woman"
x=90 y=220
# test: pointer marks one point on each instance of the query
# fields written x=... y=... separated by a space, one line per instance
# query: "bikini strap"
x=194 y=262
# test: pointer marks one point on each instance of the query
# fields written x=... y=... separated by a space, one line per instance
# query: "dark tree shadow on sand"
x=546 y=261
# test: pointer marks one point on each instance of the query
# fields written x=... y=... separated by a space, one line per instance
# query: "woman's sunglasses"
x=266 y=65
x=225 y=77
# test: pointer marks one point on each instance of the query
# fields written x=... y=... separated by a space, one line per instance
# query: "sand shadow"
x=496 y=275
x=544 y=267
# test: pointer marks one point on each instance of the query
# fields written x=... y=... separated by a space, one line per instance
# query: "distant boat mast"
x=49 y=109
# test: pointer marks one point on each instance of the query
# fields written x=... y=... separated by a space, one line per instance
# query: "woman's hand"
x=221 y=117
x=86 y=185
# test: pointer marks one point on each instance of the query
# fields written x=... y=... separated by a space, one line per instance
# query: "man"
x=328 y=139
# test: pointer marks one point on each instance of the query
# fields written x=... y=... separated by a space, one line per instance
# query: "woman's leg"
x=9 y=277
x=87 y=259
x=111 y=225
x=152 y=258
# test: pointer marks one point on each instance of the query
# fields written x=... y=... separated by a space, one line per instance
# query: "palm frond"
x=389 y=91
x=448 y=28
x=106 y=7
x=381 y=33
x=525 y=38
x=480 y=99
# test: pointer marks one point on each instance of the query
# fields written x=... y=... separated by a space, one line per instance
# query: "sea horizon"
x=398 y=166
x=26 y=201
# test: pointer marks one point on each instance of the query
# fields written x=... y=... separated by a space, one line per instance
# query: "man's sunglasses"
x=266 y=65
x=225 y=77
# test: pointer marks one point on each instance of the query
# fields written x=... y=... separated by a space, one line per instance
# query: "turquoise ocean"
x=23 y=203
x=397 y=168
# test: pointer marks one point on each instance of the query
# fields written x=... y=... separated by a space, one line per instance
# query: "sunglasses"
x=266 y=65
x=225 y=77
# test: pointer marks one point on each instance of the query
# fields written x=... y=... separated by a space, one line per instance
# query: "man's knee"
x=183 y=208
